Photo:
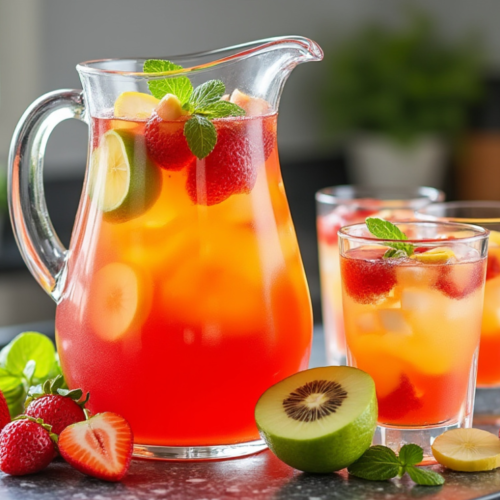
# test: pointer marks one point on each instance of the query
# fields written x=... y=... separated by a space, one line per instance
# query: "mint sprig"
x=380 y=463
x=28 y=360
x=203 y=104
x=386 y=230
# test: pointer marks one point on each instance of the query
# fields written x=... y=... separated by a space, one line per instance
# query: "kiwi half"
x=319 y=420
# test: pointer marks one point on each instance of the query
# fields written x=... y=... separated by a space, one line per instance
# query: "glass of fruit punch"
x=182 y=297
x=339 y=206
x=413 y=298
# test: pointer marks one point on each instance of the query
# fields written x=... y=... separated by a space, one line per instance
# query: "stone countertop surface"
x=261 y=476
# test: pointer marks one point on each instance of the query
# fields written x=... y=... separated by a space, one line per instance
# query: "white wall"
x=69 y=31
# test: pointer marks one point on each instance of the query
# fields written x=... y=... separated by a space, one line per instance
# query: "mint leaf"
x=411 y=454
x=25 y=347
x=386 y=230
x=201 y=136
x=221 y=109
x=206 y=94
x=378 y=463
x=424 y=477
x=178 y=85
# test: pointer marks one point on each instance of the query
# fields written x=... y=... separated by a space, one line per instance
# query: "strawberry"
x=26 y=446
x=100 y=447
x=4 y=412
x=231 y=168
x=399 y=403
x=459 y=280
x=166 y=143
x=57 y=407
x=367 y=281
x=493 y=268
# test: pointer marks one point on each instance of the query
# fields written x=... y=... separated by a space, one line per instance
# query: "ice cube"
x=416 y=300
x=393 y=320
x=367 y=322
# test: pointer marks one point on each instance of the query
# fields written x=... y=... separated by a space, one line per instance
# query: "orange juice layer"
x=415 y=328
x=181 y=318
x=488 y=372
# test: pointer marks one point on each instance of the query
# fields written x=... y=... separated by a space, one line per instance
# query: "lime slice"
x=122 y=180
x=467 y=450
x=135 y=105
x=438 y=255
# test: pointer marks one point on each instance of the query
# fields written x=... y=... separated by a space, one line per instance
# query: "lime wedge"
x=135 y=105
x=467 y=450
x=122 y=180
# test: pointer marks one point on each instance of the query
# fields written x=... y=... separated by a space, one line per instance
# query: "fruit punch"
x=413 y=323
x=188 y=297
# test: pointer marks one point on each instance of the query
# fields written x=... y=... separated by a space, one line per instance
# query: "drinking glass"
x=414 y=323
x=339 y=206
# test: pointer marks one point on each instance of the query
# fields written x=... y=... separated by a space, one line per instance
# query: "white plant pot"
x=378 y=161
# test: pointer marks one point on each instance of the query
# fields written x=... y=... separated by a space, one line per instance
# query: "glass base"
x=220 y=452
x=396 y=437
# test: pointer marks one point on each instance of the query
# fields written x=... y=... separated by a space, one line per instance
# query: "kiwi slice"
x=319 y=420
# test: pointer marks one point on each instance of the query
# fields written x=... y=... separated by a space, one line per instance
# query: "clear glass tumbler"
x=339 y=206
x=414 y=323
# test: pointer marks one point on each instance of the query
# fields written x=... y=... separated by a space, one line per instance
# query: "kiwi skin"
x=320 y=455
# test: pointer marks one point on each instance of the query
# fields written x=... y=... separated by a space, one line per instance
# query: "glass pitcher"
x=182 y=297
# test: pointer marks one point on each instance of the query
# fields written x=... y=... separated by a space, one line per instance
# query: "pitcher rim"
x=310 y=46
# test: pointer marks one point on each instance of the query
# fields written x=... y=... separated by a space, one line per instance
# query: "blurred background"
x=408 y=93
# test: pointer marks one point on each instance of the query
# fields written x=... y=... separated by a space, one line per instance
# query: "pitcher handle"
x=40 y=247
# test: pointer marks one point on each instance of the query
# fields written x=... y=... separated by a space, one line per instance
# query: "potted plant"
x=400 y=98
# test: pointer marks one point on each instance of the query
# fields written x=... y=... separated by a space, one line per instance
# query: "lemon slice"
x=122 y=180
x=467 y=450
x=494 y=238
x=135 y=105
x=437 y=255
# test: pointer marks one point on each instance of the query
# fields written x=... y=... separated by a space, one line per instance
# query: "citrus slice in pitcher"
x=135 y=105
x=119 y=300
x=122 y=180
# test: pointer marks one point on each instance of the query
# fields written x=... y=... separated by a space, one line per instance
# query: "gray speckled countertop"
x=261 y=476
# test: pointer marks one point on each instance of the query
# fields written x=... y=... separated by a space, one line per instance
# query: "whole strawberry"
x=4 y=412
x=26 y=446
x=55 y=406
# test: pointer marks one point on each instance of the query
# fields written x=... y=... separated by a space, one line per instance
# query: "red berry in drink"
x=460 y=280
x=400 y=402
x=232 y=167
x=366 y=276
x=166 y=143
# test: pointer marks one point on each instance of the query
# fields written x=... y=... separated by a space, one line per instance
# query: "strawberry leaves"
x=203 y=104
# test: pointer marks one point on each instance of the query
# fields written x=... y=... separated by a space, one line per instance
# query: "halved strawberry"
x=399 y=403
x=100 y=447
x=459 y=280
x=231 y=168
x=366 y=276
x=166 y=143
